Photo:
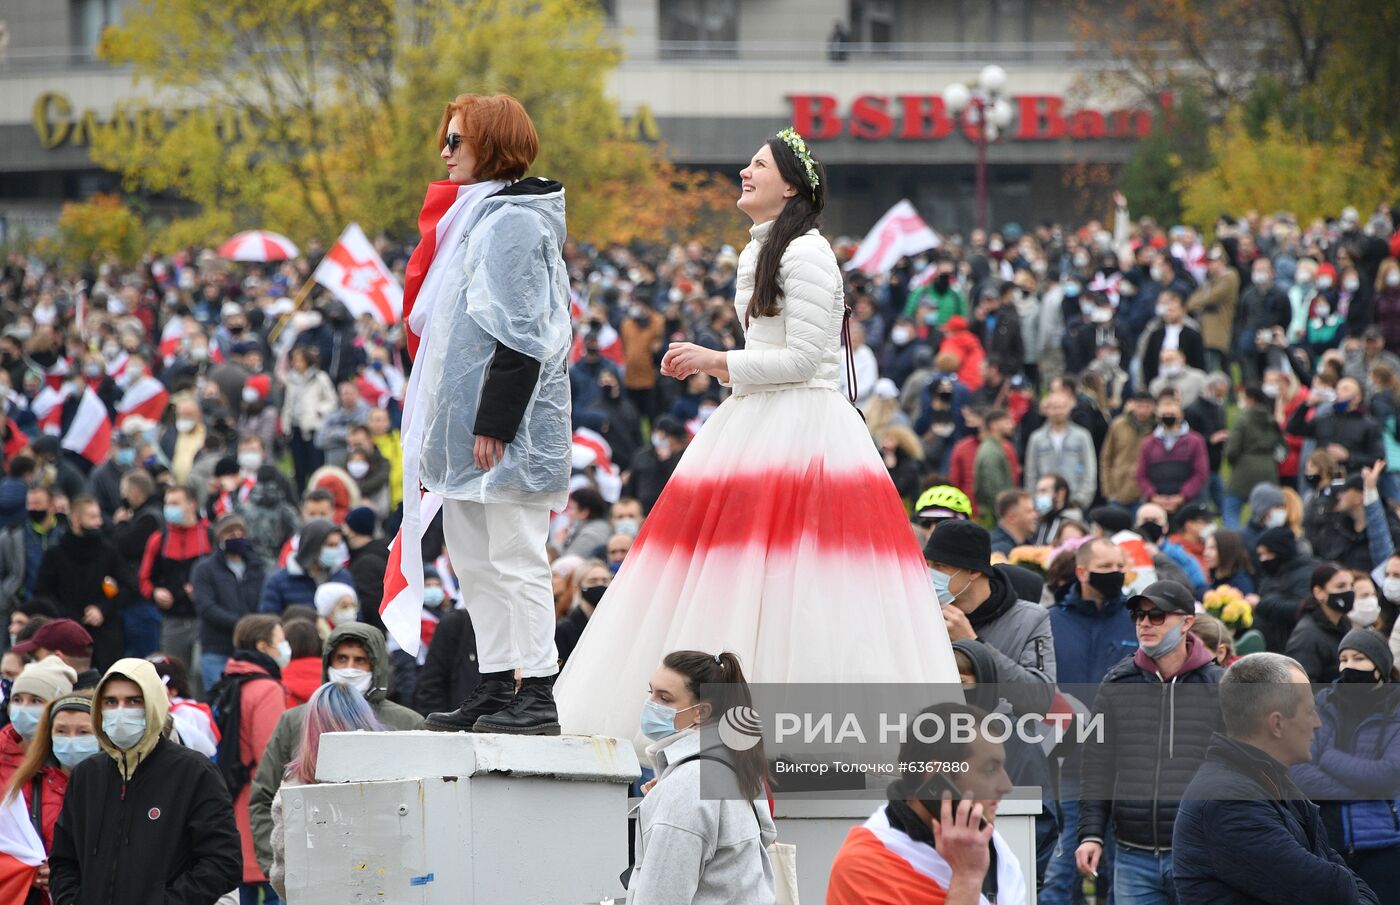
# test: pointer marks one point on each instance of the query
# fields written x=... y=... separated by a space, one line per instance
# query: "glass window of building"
x=90 y=18
x=699 y=28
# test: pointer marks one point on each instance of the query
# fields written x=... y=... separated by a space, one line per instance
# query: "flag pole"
x=302 y=295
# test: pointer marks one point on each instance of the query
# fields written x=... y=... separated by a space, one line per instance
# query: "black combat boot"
x=495 y=691
x=531 y=712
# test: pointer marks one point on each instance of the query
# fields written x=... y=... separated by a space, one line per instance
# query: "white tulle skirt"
x=780 y=538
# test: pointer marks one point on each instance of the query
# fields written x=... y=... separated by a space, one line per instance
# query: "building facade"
x=710 y=79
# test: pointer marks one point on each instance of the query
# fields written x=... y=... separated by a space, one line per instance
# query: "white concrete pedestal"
x=432 y=818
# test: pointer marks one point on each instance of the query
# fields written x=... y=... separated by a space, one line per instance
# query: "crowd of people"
x=1176 y=451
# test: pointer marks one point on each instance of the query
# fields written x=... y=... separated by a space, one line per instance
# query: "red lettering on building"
x=925 y=118
x=810 y=109
x=1039 y=118
x=1086 y=124
x=869 y=119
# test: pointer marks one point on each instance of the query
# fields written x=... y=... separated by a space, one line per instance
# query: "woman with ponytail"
x=703 y=827
x=780 y=536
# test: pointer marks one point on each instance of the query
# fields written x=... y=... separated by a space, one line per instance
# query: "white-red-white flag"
x=146 y=397
x=899 y=234
x=172 y=336
x=441 y=223
x=89 y=434
x=354 y=273
x=21 y=850
x=48 y=408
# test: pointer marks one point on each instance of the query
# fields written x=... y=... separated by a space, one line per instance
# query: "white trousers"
x=499 y=552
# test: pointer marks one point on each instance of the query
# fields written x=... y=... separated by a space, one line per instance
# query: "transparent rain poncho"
x=506 y=282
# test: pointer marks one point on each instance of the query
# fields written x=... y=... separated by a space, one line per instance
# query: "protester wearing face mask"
x=321 y=556
x=357 y=655
x=337 y=604
x=184 y=440
x=1314 y=640
x=980 y=604
x=1351 y=524
x=252 y=679
x=1173 y=465
x=1132 y=780
x=185 y=846
x=227 y=586
x=589 y=526
x=700 y=848
x=256 y=417
x=1263 y=309
x=1195 y=525
x=332 y=437
x=37 y=684
x=1342 y=427
x=593 y=578
x=654 y=466
x=194 y=720
x=1172 y=332
x=1387 y=304
x=64 y=739
x=1354 y=772
x=167 y=571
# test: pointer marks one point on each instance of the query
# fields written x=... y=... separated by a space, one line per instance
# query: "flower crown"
x=794 y=141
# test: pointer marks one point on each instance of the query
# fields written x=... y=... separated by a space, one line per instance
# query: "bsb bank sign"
x=923 y=117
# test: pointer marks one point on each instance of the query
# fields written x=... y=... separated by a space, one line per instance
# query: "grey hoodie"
x=696 y=851
x=282 y=749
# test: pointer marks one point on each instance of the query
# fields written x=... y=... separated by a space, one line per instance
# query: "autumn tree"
x=337 y=105
x=99 y=229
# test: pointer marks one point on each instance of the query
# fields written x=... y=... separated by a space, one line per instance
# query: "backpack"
x=225 y=701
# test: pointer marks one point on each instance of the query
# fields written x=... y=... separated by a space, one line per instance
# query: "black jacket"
x=450 y=673
x=1004 y=341
x=1279 y=597
x=221 y=598
x=1334 y=538
x=1261 y=311
x=1155 y=737
x=1353 y=429
x=131 y=535
x=1245 y=834
x=167 y=836
x=1191 y=345
x=649 y=475
x=367 y=565
x=71 y=575
x=1314 y=644
x=1206 y=417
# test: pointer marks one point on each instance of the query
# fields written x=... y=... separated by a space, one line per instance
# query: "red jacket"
x=964 y=344
x=962 y=471
x=11 y=754
x=301 y=677
x=182 y=542
x=262 y=704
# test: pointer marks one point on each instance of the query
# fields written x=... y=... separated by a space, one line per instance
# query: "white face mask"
x=1391 y=588
x=357 y=468
x=1364 y=612
x=250 y=461
x=125 y=726
x=184 y=425
x=284 y=654
x=357 y=679
x=1276 y=518
x=1393 y=278
x=250 y=395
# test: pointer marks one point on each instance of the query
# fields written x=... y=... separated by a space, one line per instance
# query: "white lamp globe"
x=956 y=97
x=992 y=132
x=992 y=78
x=1000 y=114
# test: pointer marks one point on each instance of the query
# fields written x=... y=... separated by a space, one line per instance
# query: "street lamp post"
x=980 y=105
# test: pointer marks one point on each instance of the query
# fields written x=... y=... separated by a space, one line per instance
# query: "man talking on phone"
x=935 y=842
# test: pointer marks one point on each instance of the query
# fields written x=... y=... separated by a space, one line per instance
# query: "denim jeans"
x=211 y=668
x=1063 y=883
x=1143 y=878
x=1231 y=511
x=1215 y=489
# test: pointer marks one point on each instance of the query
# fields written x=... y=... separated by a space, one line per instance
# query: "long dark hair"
x=1231 y=557
x=801 y=213
x=1320 y=576
x=718 y=680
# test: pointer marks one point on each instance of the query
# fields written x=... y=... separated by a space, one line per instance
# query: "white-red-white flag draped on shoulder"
x=442 y=224
x=355 y=273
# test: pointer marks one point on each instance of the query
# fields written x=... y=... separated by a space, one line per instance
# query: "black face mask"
x=1169 y=421
x=1313 y=480
x=1342 y=602
x=1151 y=531
x=1359 y=677
x=1108 y=584
x=941 y=282
x=594 y=594
x=236 y=546
x=38 y=516
x=1270 y=566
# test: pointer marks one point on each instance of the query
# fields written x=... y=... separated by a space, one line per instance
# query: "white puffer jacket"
x=801 y=346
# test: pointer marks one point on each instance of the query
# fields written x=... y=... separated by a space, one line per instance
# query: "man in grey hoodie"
x=351 y=647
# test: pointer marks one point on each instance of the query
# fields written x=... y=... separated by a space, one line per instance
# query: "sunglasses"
x=454 y=141
x=1156 y=617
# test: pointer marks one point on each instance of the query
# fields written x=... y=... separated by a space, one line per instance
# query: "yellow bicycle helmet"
x=943 y=501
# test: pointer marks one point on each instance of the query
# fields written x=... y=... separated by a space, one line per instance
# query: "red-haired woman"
x=490 y=429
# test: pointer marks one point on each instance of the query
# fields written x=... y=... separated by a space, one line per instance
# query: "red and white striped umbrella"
x=258 y=245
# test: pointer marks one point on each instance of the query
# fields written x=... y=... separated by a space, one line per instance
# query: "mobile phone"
x=930 y=794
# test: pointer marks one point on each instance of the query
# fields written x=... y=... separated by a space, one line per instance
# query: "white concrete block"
x=380 y=756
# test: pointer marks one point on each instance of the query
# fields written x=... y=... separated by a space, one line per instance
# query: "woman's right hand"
x=648 y=786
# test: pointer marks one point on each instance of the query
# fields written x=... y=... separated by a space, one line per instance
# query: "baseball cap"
x=1167 y=595
x=62 y=635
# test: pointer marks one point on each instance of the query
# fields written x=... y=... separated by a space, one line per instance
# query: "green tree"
x=311 y=113
x=98 y=229
x=1284 y=170
x=1175 y=148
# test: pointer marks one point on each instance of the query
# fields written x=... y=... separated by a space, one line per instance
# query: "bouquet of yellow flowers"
x=1227 y=604
x=1035 y=558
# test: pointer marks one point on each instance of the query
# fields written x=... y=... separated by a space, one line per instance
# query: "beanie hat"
x=226 y=467
x=228 y=523
x=960 y=543
x=361 y=521
x=330 y=594
x=260 y=384
x=1263 y=498
x=49 y=678
x=1281 y=542
x=1363 y=641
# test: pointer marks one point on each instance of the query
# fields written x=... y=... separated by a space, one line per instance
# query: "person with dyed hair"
x=334 y=707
